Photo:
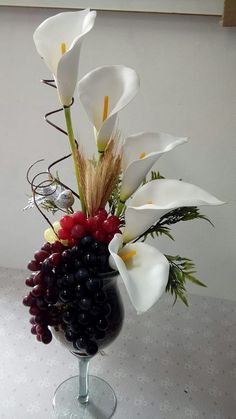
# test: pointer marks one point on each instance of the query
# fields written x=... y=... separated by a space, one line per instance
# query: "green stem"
x=74 y=155
x=120 y=208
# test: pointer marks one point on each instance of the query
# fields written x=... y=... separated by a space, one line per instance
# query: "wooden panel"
x=229 y=16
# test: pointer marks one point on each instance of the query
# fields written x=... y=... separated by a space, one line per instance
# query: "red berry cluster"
x=101 y=226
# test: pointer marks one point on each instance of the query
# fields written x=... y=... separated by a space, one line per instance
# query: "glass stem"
x=83 y=380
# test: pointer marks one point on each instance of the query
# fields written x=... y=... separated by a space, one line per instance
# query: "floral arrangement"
x=121 y=202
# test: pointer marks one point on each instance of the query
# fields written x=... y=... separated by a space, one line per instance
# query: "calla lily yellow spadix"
x=58 y=41
x=158 y=197
x=103 y=93
x=140 y=153
x=143 y=269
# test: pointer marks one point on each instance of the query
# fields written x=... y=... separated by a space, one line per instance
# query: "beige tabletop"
x=169 y=363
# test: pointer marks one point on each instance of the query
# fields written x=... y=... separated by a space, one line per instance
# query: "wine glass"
x=97 y=324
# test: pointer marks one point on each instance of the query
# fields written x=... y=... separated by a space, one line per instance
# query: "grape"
x=71 y=241
x=78 y=231
x=99 y=235
x=111 y=224
x=85 y=303
x=90 y=259
x=41 y=304
x=37 y=290
x=67 y=267
x=94 y=284
x=51 y=295
x=81 y=342
x=34 y=310
x=77 y=264
x=83 y=319
x=33 y=265
x=99 y=334
x=75 y=328
x=29 y=282
x=101 y=215
x=32 y=320
x=67 y=256
x=90 y=331
x=107 y=309
x=46 y=337
x=33 y=330
x=81 y=274
x=70 y=335
x=80 y=290
x=46 y=247
x=57 y=247
x=109 y=237
x=41 y=255
x=69 y=316
x=96 y=310
x=98 y=247
x=100 y=297
x=40 y=329
x=67 y=222
x=54 y=259
x=102 y=259
x=66 y=295
x=38 y=278
x=53 y=321
x=28 y=300
x=79 y=217
x=102 y=324
x=40 y=318
x=46 y=267
x=67 y=281
x=49 y=281
x=91 y=348
x=63 y=234
x=86 y=242
x=92 y=224
x=76 y=251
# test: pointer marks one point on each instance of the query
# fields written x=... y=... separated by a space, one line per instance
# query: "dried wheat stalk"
x=98 y=180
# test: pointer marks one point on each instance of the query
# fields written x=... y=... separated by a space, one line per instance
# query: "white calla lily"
x=58 y=41
x=103 y=93
x=156 y=198
x=144 y=270
x=140 y=153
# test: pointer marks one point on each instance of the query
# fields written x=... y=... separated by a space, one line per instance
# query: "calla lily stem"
x=74 y=154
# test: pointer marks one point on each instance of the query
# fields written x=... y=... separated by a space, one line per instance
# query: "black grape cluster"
x=68 y=293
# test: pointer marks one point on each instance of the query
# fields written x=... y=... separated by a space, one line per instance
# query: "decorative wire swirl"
x=52 y=180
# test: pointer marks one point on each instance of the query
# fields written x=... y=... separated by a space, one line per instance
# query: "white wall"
x=187 y=67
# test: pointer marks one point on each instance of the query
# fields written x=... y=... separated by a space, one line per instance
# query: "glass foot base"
x=101 y=404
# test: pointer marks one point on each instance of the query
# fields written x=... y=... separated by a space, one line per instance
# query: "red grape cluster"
x=67 y=286
x=101 y=226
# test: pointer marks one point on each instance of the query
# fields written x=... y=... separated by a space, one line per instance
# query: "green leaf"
x=195 y=280
x=181 y=271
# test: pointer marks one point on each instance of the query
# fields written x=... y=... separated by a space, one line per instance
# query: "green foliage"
x=160 y=231
x=49 y=206
x=115 y=197
x=154 y=176
x=181 y=270
x=172 y=217
x=182 y=214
